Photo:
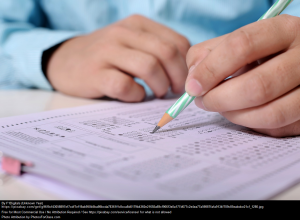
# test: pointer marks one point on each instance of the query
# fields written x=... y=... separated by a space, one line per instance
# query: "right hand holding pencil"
x=266 y=97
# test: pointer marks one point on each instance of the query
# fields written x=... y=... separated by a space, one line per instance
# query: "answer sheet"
x=107 y=149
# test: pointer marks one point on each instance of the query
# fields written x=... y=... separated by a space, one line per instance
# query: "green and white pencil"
x=186 y=99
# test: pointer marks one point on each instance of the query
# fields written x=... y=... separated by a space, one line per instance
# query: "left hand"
x=266 y=97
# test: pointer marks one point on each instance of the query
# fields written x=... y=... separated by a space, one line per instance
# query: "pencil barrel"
x=180 y=105
x=276 y=9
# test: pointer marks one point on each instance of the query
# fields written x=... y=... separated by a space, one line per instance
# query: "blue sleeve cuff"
x=24 y=50
x=293 y=9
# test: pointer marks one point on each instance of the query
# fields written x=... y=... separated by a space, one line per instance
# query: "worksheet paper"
x=107 y=149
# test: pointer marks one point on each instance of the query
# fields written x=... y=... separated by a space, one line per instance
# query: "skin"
x=104 y=62
x=264 y=94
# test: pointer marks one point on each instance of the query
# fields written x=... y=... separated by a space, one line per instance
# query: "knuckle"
x=134 y=19
x=149 y=66
x=241 y=44
x=196 y=54
x=282 y=69
x=168 y=51
x=291 y=22
x=122 y=87
x=274 y=118
x=294 y=129
x=162 y=91
x=209 y=71
x=105 y=47
x=291 y=25
x=148 y=37
x=118 y=30
x=257 y=90
x=289 y=130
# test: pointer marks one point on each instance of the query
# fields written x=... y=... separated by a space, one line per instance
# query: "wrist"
x=46 y=57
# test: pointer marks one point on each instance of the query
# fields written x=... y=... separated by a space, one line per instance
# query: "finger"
x=286 y=131
x=276 y=114
x=118 y=85
x=199 y=51
x=256 y=87
x=147 y=25
x=166 y=52
x=141 y=65
x=241 y=47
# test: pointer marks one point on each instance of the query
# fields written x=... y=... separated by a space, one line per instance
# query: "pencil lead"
x=155 y=129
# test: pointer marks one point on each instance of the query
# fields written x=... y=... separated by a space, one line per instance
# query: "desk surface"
x=22 y=102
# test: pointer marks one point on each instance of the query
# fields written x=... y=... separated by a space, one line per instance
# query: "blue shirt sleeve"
x=293 y=8
x=23 y=38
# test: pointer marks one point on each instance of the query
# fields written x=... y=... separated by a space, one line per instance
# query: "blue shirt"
x=29 y=27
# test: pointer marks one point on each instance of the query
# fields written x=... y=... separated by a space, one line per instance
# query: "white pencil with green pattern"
x=186 y=99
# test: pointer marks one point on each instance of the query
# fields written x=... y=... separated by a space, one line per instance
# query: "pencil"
x=186 y=99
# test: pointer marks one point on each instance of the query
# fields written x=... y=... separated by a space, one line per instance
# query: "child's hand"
x=104 y=62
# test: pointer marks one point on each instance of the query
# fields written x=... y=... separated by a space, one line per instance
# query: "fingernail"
x=194 y=88
x=191 y=68
x=199 y=103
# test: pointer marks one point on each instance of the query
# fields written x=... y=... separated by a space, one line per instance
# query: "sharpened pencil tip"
x=155 y=129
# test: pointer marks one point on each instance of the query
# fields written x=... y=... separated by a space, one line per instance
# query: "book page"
x=107 y=149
